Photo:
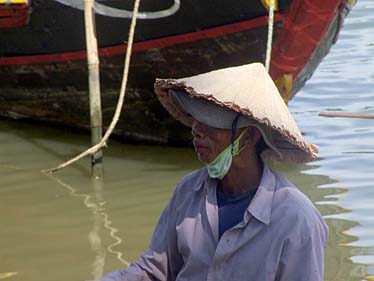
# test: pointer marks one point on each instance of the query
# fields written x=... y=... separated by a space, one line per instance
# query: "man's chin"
x=203 y=158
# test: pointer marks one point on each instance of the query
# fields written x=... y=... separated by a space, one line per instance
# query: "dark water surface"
x=66 y=228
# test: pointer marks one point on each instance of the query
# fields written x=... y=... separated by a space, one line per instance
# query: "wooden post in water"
x=94 y=86
x=346 y=115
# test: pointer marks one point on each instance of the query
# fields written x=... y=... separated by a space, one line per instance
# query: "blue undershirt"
x=231 y=208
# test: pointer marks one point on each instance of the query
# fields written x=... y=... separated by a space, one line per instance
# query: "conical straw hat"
x=249 y=90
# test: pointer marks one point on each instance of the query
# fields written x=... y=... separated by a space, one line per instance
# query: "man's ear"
x=252 y=136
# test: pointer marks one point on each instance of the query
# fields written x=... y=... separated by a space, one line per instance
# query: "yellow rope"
x=125 y=71
x=121 y=98
x=270 y=35
x=16 y=2
x=7 y=274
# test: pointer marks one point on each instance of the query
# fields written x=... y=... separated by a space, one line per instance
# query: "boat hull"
x=51 y=85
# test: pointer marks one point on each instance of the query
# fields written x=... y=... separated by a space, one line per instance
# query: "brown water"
x=61 y=228
x=65 y=228
x=53 y=228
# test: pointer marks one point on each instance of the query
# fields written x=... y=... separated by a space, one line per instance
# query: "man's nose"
x=198 y=129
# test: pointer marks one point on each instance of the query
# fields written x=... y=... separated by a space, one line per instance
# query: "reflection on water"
x=100 y=218
x=54 y=221
x=7 y=274
x=324 y=192
x=345 y=82
x=69 y=228
x=63 y=216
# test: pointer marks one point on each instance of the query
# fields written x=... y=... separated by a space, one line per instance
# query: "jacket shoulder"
x=297 y=209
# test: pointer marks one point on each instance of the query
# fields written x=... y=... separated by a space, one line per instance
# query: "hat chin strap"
x=266 y=135
x=269 y=141
x=233 y=131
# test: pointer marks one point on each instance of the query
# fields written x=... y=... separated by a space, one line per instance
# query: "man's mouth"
x=199 y=147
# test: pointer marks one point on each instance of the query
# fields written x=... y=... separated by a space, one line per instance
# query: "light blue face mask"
x=219 y=167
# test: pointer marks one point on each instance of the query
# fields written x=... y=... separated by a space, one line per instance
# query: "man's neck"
x=242 y=178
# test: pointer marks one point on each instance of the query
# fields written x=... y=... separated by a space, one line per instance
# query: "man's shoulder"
x=286 y=193
x=295 y=206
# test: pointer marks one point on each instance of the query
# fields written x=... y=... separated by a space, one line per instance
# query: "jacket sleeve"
x=303 y=259
x=162 y=260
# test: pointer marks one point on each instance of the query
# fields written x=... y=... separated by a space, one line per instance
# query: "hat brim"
x=216 y=116
x=247 y=90
x=208 y=112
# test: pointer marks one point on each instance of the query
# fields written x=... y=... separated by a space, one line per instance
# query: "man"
x=234 y=219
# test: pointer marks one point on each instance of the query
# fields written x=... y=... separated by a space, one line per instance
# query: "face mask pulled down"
x=219 y=167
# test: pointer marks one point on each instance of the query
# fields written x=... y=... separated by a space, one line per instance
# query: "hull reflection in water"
x=7 y=274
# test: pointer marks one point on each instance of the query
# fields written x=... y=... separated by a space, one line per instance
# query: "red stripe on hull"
x=13 y=15
x=142 y=46
x=304 y=28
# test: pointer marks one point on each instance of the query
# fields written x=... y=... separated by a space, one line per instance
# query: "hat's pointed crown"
x=247 y=89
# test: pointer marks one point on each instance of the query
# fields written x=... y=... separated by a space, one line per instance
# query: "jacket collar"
x=261 y=204
x=203 y=180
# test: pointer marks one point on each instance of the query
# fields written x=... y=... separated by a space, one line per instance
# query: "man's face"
x=209 y=141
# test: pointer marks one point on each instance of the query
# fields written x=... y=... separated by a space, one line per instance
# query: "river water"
x=64 y=227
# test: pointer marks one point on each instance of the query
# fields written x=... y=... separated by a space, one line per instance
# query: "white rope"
x=103 y=142
x=270 y=35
